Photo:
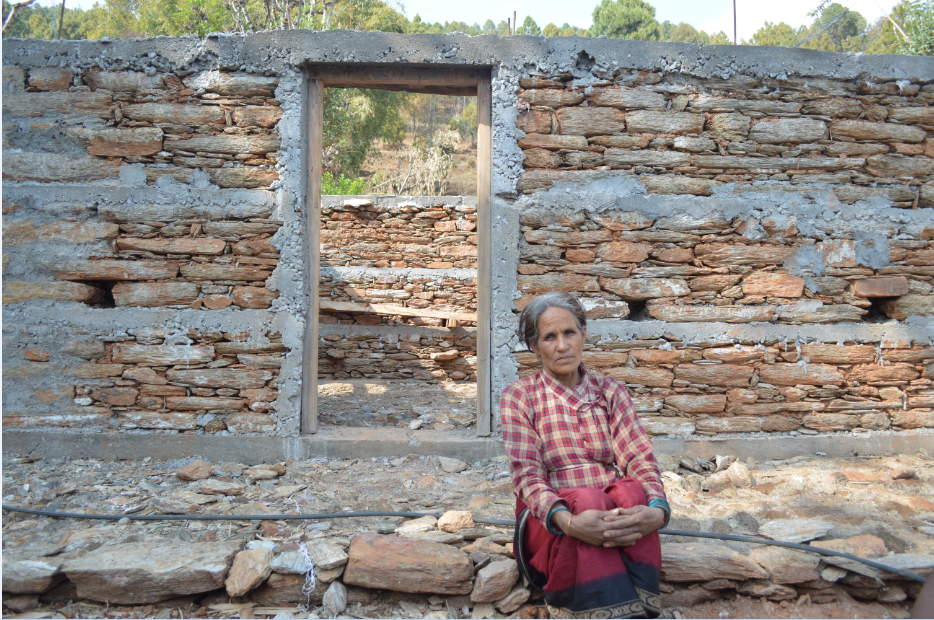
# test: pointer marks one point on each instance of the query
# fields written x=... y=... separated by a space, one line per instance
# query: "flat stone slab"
x=699 y=562
x=147 y=572
x=795 y=530
x=29 y=570
x=407 y=565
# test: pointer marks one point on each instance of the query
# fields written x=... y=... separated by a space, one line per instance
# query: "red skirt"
x=581 y=580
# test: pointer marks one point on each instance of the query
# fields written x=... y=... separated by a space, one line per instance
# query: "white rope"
x=310 y=582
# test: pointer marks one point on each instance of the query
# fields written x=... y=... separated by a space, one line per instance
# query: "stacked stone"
x=217 y=382
x=194 y=127
x=706 y=388
x=430 y=233
x=454 y=291
x=685 y=135
x=685 y=268
x=183 y=263
x=447 y=354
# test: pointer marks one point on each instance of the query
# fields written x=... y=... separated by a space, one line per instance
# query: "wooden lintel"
x=461 y=82
x=349 y=306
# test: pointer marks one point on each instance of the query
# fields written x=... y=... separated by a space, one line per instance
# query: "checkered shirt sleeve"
x=525 y=449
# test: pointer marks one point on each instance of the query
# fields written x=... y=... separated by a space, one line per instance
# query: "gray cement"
x=349 y=442
x=289 y=54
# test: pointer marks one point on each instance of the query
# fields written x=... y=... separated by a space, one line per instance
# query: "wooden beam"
x=314 y=127
x=461 y=82
x=349 y=306
x=484 y=253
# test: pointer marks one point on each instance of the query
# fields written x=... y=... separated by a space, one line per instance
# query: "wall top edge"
x=277 y=52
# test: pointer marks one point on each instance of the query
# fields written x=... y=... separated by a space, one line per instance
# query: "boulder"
x=289 y=563
x=455 y=520
x=335 y=599
x=703 y=562
x=795 y=530
x=406 y=565
x=29 y=571
x=514 y=600
x=287 y=590
x=147 y=572
x=199 y=470
x=494 y=581
x=326 y=555
x=422 y=524
x=787 y=565
x=452 y=466
x=250 y=568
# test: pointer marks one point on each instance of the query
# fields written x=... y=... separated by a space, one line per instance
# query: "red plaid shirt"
x=558 y=437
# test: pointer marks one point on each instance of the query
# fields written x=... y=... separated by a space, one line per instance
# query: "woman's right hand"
x=591 y=526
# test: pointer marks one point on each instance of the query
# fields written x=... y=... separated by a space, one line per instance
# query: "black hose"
x=389 y=513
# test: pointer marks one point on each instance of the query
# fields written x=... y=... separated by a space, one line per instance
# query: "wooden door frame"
x=464 y=81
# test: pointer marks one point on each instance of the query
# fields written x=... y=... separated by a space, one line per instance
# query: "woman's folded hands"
x=619 y=527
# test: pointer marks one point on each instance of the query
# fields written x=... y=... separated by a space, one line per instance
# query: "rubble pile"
x=455 y=566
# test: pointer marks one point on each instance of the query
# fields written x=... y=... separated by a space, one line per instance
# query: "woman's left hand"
x=631 y=524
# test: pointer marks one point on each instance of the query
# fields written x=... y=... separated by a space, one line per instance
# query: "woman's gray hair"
x=528 y=320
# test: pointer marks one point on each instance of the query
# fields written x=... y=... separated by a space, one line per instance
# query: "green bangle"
x=551 y=513
x=658 y=502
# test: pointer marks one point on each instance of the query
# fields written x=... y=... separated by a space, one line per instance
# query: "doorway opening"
x=400 y=265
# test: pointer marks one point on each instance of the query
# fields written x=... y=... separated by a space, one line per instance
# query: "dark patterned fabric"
x=580 y=580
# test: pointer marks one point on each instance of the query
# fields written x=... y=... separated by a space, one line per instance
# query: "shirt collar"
x=580 y=394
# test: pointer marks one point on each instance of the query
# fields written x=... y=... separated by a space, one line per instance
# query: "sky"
x=709 y=15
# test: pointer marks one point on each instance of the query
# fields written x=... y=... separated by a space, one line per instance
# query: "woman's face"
x=560 y=345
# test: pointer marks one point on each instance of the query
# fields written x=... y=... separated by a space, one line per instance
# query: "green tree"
x=683 y=32
x=41 y=22
x=780 y=34
x=550 y=30
x=353 y=120
x=568 y=30
x=836 y=29
x=720 y=38
x=625 y=19
x=529 y=27
x=919 y=26
x=883 y=37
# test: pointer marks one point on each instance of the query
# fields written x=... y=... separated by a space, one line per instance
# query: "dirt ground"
x=890 y=497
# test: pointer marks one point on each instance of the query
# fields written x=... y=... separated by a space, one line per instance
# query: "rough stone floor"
x=875 y=507
x=417 y=404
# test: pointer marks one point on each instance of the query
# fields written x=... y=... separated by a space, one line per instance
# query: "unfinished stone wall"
x=672 y=200
x=751 y=230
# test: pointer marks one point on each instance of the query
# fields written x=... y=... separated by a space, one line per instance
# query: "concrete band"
x=348 y=443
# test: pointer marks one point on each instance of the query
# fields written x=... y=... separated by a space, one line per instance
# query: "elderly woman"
x=589 y=493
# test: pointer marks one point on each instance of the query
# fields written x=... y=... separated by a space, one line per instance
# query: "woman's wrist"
x=554 y=521
x=662 y=505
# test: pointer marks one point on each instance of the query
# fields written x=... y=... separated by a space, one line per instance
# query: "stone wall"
x=692 y=136
x=751 y=386
x=438 y=355
x=737 y=202
x=751 y=229
x=414 y=254
x=215 y=382
x=399 y=232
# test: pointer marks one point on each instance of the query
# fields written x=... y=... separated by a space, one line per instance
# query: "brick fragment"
x=881 y=287
x=773 y=284
x=729 y=375
x=792 y=374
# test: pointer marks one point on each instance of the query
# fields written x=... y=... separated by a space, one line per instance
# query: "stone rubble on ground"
x=451 y=562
